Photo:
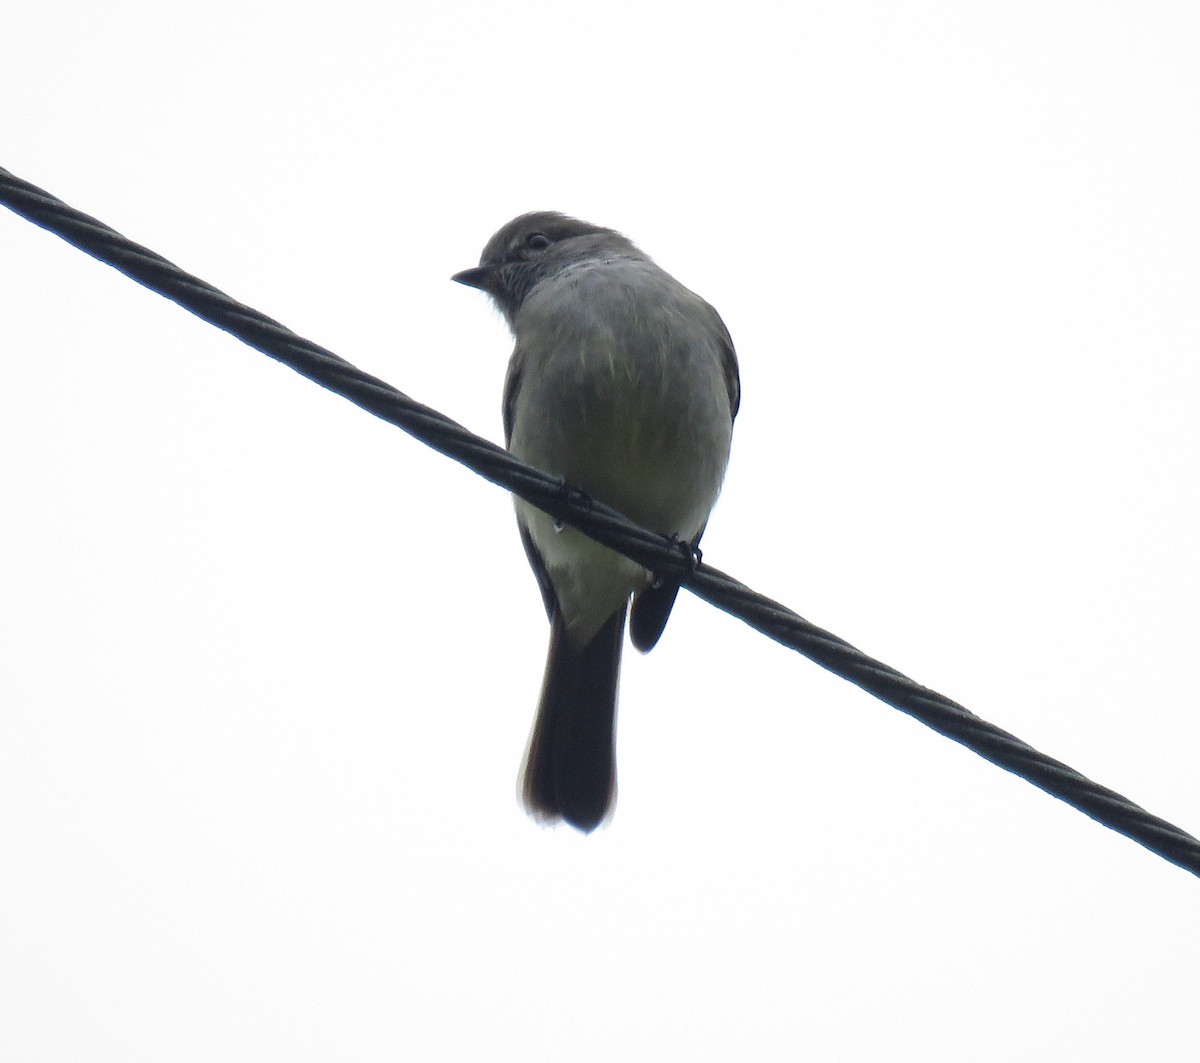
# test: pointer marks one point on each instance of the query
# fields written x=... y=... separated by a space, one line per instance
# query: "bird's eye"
x=537 y=241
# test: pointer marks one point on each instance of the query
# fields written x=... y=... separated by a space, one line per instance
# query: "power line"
x=600 y=522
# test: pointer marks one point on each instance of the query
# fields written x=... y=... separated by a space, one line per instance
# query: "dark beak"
x=481 y=277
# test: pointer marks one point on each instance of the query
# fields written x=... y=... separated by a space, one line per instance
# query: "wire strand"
x=602 y=523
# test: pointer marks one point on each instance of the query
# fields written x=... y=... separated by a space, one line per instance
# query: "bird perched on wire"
x=625 y=384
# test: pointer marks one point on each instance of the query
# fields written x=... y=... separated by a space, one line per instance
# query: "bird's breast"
x=622 y=393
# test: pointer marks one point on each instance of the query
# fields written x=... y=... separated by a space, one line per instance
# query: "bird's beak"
x=481 y=277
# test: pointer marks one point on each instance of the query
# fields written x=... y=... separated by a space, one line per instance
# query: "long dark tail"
x=570 y=766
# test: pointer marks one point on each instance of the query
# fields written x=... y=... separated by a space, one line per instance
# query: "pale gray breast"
x=623 y=391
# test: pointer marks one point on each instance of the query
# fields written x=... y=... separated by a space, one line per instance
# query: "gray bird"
x=625 y=384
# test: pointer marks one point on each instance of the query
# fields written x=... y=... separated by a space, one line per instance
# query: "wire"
x=605 y=525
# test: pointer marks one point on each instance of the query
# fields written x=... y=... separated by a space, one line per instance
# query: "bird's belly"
x=654 y=451
x=656 y=457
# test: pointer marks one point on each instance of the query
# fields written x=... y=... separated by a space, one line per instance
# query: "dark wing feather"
x=512 y=385
x=729 y=365
x=649 y=615
x=539 y=570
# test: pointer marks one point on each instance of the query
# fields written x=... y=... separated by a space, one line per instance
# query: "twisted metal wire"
x=605 y=525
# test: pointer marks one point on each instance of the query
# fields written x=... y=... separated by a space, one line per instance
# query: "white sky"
x=268 y=666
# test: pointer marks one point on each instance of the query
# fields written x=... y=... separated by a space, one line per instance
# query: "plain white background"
x=267 y=666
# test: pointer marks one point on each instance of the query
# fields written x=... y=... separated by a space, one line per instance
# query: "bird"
x=624 y=384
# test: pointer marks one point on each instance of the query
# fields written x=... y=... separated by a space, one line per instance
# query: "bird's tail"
x=570 y=767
